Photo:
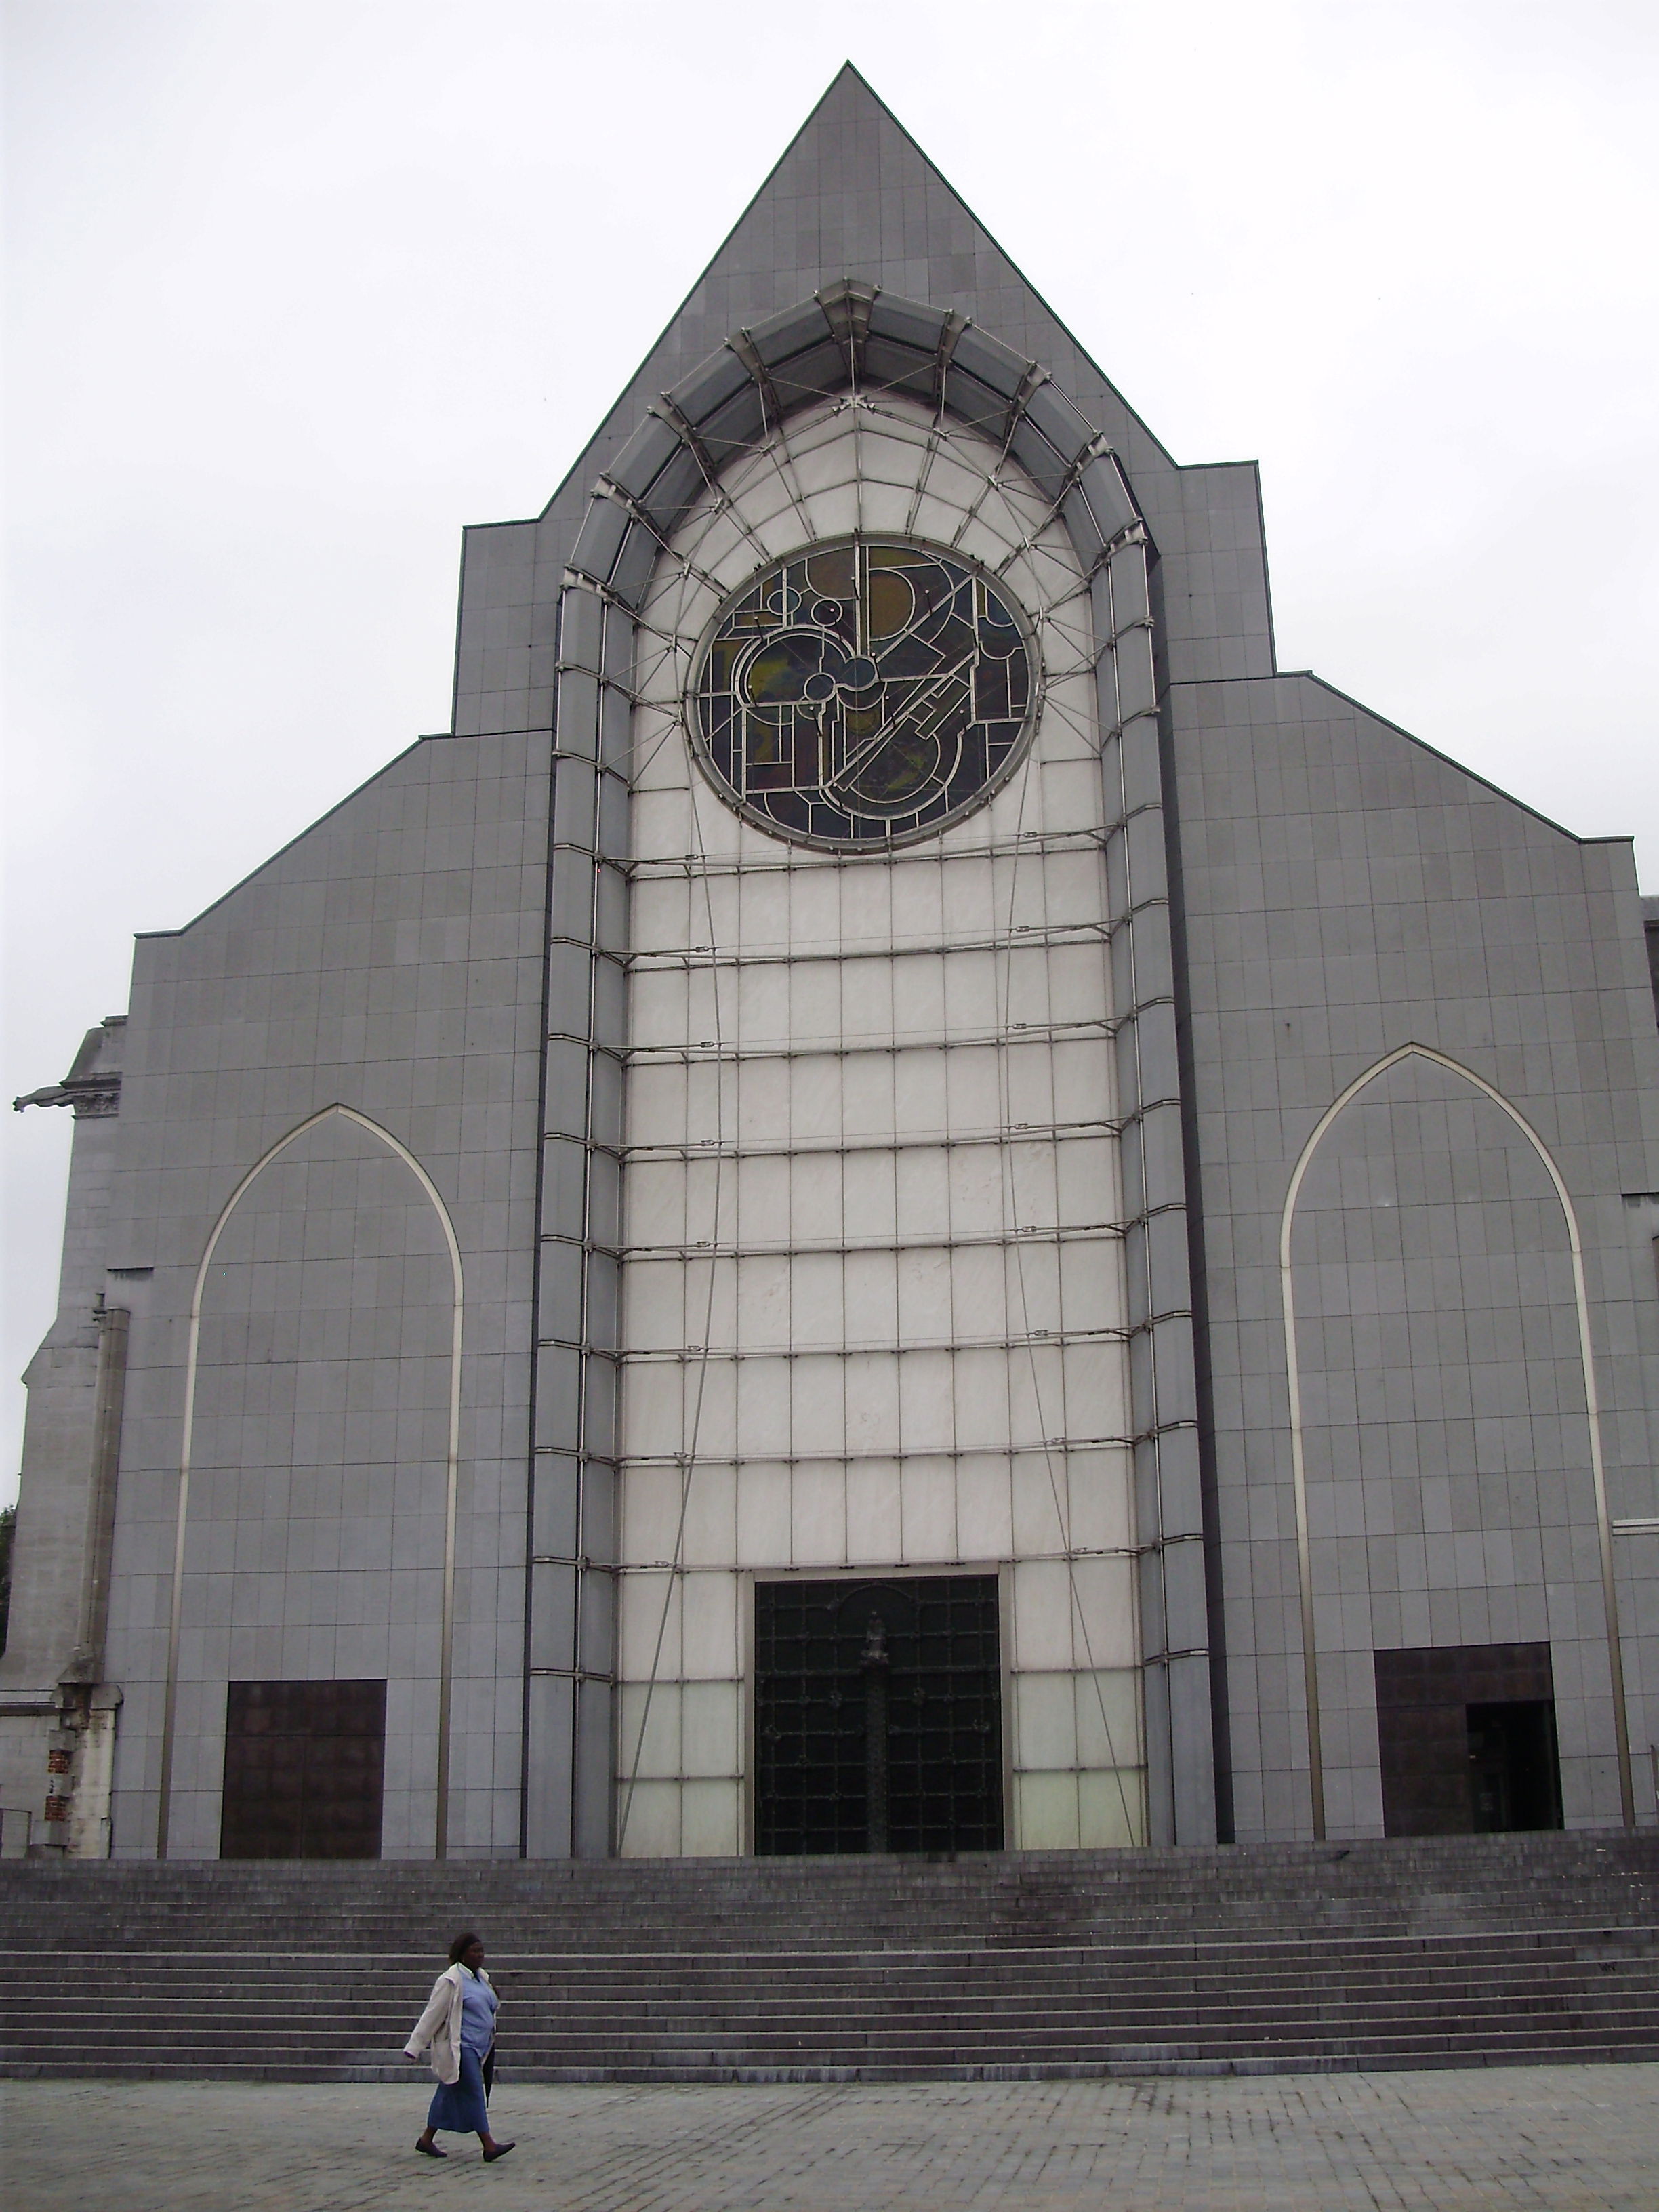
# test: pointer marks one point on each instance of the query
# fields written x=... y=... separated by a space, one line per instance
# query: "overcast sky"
x=295 y=290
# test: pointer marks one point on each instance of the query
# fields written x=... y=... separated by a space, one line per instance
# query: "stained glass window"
x=863 y=693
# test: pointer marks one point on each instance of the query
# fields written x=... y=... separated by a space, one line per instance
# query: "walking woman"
x=457 y=2030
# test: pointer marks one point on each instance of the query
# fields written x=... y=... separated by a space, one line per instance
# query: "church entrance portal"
x=878 y=1715
x=1467 y=1736
x=304 y=1763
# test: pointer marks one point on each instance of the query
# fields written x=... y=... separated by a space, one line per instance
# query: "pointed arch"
x=850 y=337
x=452 y=1470
x=1294 y=1375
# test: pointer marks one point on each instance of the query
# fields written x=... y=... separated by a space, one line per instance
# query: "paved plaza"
x=1556 y=2138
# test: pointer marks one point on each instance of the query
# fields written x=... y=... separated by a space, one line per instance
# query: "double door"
x=878 y=1715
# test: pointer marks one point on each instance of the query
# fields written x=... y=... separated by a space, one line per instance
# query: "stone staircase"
x=1448 y=1952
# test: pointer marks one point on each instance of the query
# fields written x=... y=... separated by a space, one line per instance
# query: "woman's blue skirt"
x=459 y=2105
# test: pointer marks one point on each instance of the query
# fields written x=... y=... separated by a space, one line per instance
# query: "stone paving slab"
x=1550 y=2138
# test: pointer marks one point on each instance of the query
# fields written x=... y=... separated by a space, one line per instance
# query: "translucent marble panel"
x=874 y=1312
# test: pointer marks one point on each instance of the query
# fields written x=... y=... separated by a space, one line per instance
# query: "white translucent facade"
x=874 y=1295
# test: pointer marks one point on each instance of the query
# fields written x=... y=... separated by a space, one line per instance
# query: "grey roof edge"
x=1254 y=468
x=847 y=69
x=1310 y=676
x=508 y=522
x=433 y=737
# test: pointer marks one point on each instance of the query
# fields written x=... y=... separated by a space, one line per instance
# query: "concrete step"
x=824 y=1988
x=1286 y=2055
x=823 y=1995
x=1576 y=1939
x=1455 y=1951
x=1023 y=2027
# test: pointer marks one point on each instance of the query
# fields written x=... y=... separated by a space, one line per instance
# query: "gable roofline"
x=1446 y=759
x=847 y=71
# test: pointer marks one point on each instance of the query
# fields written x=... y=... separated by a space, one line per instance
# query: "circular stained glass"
x=863 y=693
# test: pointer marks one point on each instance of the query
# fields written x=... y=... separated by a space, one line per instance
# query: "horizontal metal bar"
x=583 y=1244
x=1157 y=1320
x=703 y=1051
x=698 y=957
x=558 y=752
x=847 y=1348
x=930 y=1566
x=931 y=1140
x=1141 y=715
x=604 y=682
x=702 y=957
x=1154 y=1430
x=1133 y=1013
x=1043 y=1448
x=806 y=857
x=584 y=1040
x=586 y=1143
x=1092 y=1232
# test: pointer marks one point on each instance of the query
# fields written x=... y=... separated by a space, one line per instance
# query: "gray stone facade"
x=1345 y=892
x=388 y=962
x=1384 y=1089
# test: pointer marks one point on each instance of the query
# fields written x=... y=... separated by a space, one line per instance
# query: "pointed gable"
x=854 y=196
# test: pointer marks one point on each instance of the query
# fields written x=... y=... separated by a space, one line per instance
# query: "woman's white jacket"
x=438 y=2030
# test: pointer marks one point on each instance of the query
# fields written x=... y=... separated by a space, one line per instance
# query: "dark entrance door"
x=878 y=1715
x=1514 y=1770
x=1467 y=1735
x=304 y=1765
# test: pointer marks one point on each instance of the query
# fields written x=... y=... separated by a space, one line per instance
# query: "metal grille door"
x=878 y=1715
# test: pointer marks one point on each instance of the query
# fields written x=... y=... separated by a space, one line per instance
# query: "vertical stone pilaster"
x=1163 y=1383
x=53 y=1700
x=571 y=1656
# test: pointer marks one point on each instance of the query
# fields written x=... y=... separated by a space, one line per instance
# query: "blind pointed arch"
x=452 y=1468
x=1298 y=1469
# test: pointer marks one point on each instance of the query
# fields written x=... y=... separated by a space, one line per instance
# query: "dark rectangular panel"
x=304 y=1770
x=1466 y=1738
x=1515 y=1769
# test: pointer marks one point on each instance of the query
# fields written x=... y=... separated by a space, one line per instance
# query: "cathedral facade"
x=900 y=1200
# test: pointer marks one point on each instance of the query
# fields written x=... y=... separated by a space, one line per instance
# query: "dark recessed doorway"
x=304 y=1770
x=1467 y=1738
x=878 y=1715
x=1514 y=1774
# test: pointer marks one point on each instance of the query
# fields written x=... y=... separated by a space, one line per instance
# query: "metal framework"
x=641 y=579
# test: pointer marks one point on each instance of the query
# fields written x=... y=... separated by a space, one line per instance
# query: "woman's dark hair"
x=461 y=1946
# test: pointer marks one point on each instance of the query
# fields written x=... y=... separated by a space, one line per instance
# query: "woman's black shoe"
x=429 y=2150
x=499 y=2151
